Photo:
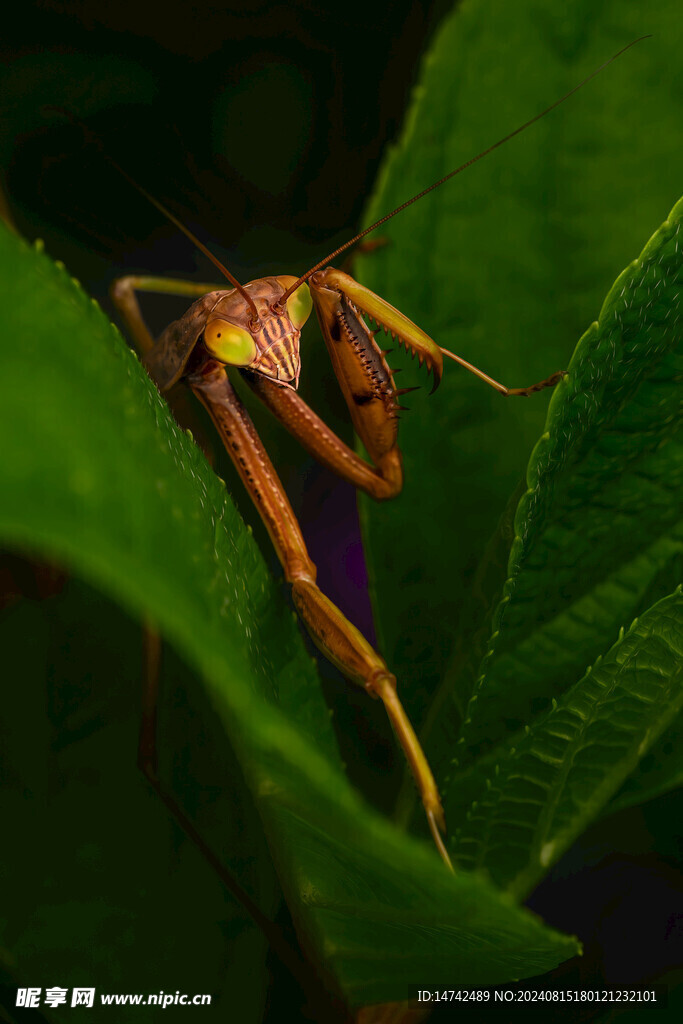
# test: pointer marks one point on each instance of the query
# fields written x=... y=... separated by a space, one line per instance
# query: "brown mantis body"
x=261 y=338
x=255 y=329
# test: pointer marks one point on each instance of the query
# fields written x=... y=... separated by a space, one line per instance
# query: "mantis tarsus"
x=255 y=328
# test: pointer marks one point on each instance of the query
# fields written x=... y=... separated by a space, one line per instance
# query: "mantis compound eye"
x=299 y=306
x=299 y=303
x=229 y=343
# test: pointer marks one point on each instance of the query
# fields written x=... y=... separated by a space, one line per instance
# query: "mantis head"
x=268 y=342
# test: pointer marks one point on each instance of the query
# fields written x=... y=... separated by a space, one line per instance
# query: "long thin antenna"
x=162 y=209
x=458 y=170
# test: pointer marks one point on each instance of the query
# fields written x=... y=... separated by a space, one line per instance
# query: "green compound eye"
x=299 y=306
x=229 y=343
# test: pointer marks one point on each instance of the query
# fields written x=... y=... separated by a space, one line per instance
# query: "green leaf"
x=506 y=266
x=96 y=474
x=659 y=772
x=600 y=520
x=533 y=799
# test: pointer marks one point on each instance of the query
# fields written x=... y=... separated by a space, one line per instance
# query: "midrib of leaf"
x=622 y=705
x=548 y=651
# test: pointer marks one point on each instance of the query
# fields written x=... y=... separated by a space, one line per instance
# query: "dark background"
x=262 y=126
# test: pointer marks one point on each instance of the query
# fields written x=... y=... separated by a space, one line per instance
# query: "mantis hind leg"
x=282 y=947
x=148 y=765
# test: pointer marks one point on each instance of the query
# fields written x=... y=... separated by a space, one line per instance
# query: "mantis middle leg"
x=337 y=638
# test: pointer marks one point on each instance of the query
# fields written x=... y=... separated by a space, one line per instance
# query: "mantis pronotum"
x=255 y=329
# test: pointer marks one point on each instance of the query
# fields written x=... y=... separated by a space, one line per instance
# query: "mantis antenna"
x=458 y=170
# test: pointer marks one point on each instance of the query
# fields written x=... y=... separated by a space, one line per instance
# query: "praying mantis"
x=254 y=330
